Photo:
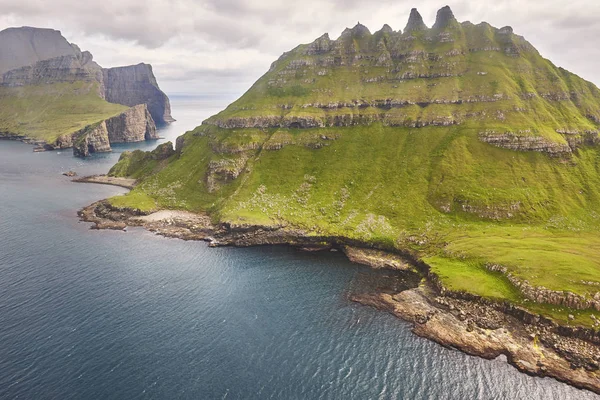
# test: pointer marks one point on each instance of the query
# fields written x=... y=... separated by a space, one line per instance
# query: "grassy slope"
x=438 y=191
x=48 y=111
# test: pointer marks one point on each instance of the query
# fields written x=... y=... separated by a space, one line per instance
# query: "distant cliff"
x=39 y=66
x=26 y=46
x=136 y=84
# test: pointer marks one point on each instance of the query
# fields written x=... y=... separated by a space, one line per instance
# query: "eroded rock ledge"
x=532 y=343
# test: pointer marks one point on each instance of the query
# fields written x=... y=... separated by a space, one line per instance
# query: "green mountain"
x=458 y=143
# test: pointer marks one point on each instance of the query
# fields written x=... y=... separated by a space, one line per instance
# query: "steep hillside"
x=459 y=144
x=50 y=90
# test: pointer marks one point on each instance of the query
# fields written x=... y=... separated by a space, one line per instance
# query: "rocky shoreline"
x=533 y=344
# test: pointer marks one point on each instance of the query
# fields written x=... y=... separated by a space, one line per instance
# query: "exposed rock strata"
x=524 y=142
x=134 y=125
x=26 y=46
x=72 y=68
x=93 y=139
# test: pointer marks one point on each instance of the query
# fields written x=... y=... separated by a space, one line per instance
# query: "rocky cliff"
x=136 y=84
x=71 y=68
x=134 y=125
x=43 y=61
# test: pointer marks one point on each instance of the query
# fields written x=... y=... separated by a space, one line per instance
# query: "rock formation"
x=134 y=125
x=415 y=22
x=134 y=85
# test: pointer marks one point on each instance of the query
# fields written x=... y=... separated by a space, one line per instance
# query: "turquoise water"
x=112 y=315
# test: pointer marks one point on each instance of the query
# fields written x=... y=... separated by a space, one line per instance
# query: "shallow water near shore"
x=112 y=315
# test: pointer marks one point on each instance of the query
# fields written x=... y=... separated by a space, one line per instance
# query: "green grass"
x=472 y=277
x=136 y=201
x=438 y=192
x=46 y=112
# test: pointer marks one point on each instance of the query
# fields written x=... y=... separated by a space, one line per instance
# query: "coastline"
x=533 y=344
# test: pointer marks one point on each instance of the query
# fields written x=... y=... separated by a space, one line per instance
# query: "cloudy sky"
x=223 y=46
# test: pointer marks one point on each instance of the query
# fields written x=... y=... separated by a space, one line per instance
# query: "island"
x=456 y=152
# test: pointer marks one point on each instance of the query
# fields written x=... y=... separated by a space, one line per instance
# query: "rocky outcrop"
x=133 y=125
x=92 y=139
x=444 y=18
x=524 y=141
x=542 y=295
x=136 y=84
x=376 y=258
x=320 y=46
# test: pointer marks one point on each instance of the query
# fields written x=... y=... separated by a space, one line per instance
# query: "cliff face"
x=26 y=46
x=71 y=68
x=134 y=85
x=91 y=140
x=134 y=125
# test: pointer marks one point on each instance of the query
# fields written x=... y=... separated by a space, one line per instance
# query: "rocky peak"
x=26 y=46
x=415 y=22
x=386 y=29
x=358 y=31
x=507 y=30
x=321 y=45
x=444 y=18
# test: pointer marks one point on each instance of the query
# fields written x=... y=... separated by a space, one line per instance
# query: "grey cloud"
x=231 y=41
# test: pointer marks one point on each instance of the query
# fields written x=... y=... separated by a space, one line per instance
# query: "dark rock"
x=444 y=18
x=415 y=22
x=136 y=84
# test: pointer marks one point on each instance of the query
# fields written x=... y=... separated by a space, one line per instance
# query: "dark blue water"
x=112 y=315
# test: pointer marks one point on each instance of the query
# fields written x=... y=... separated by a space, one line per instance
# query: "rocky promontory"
x=134 y=125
